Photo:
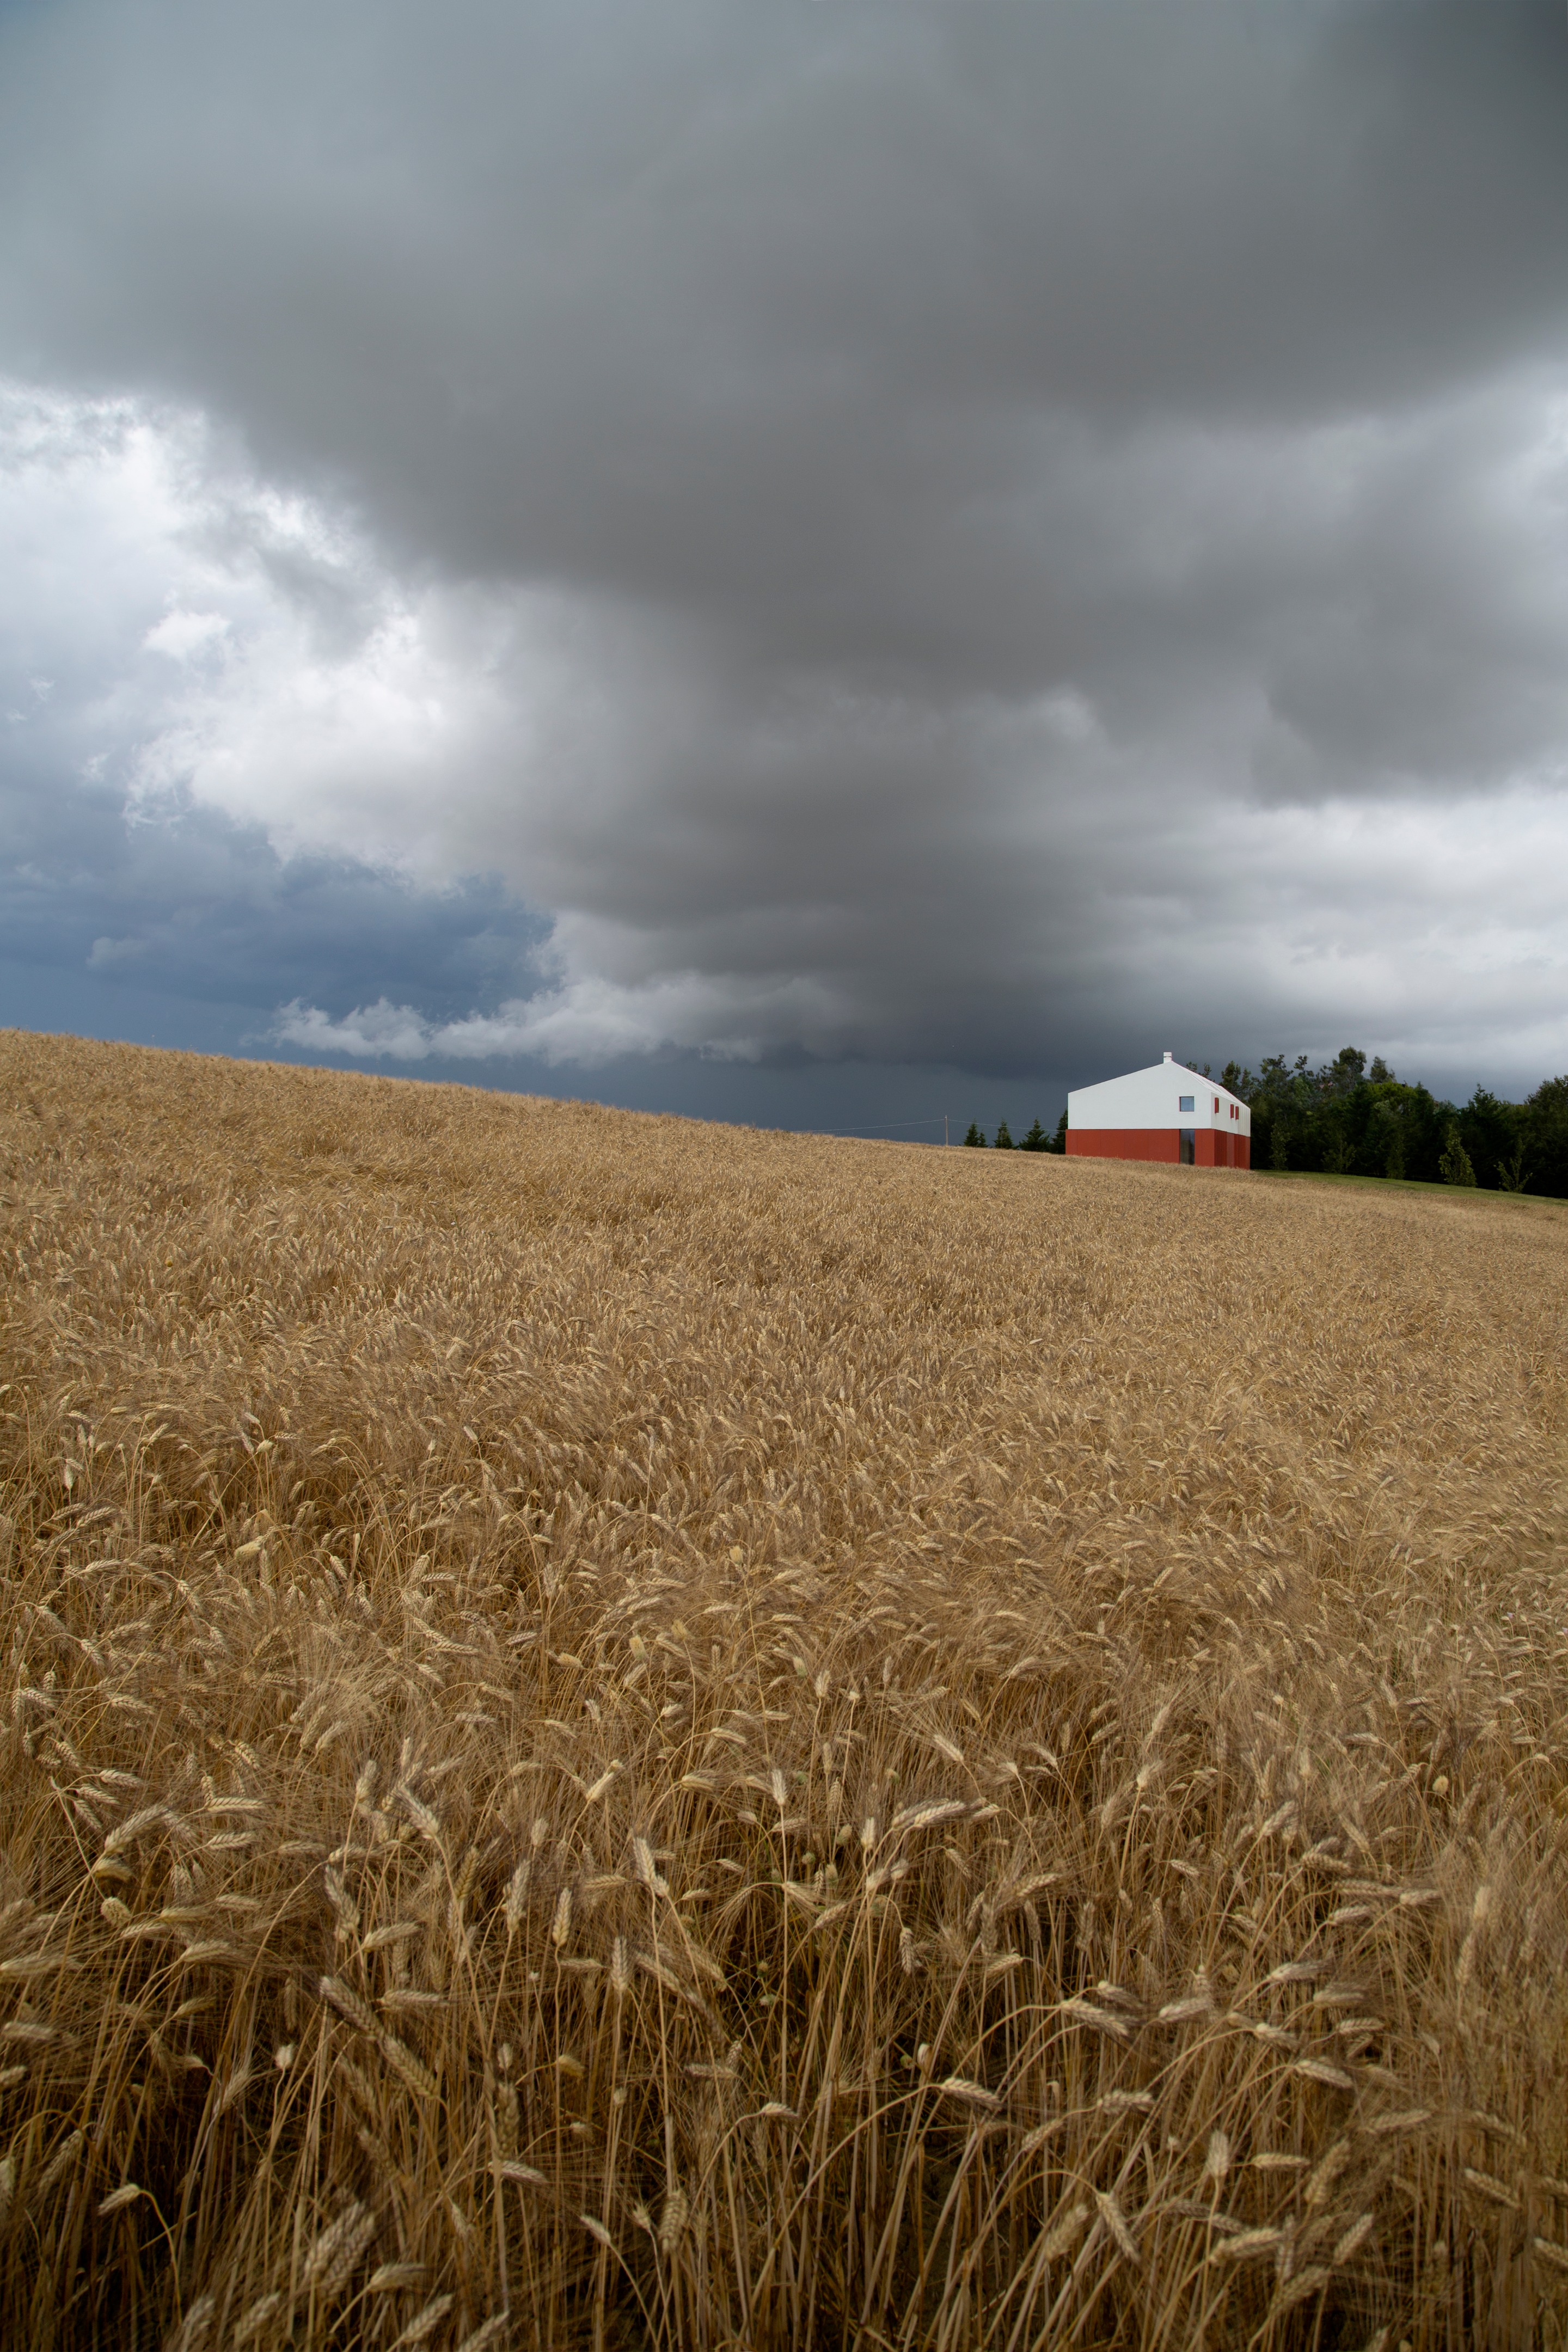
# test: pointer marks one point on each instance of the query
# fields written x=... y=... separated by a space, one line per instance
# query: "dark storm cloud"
x=1025 y=509
x=195 y=907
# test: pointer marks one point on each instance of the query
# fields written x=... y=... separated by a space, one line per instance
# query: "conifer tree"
x=1004 y=1140
x=974 y=1138
x=1036 y=1140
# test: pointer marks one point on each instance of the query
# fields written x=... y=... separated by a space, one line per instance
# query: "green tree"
x=1453 y=1166
x=1546 y=1137
x=1386 y=1140
x=1402 y=1131
x=1342 y=1117
x=1493 y=1133
x=1279 y=1100
x=1004 y=1140
x=1058 y=1141
x=974 y=1138
x=1036 y=1140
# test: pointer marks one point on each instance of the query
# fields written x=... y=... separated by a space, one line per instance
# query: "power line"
x=883 y=1124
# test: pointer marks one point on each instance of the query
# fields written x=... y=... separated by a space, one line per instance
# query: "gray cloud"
x=933 y=533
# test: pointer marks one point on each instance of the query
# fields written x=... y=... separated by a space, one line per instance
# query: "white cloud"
x=242 y=648
x=180 y=635
x=585 y=1022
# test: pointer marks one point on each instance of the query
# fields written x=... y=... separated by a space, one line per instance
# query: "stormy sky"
x=819 y=561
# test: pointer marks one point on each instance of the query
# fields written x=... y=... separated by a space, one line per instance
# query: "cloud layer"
x=1003 y=535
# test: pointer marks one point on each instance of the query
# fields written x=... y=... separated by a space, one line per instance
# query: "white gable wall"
x=1152 y=1097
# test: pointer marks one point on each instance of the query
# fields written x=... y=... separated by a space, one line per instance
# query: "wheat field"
x=620 y=1732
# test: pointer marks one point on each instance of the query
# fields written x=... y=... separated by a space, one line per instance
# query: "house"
x=1167 y=1112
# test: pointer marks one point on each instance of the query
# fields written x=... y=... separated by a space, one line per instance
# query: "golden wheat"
x=623 y=1732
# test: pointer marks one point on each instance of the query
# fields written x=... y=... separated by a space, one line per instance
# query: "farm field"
x=620 y=1732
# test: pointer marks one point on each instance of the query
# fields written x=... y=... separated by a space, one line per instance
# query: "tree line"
x=1352 y=1117
x=1036 y=1138
x=1348 y=1118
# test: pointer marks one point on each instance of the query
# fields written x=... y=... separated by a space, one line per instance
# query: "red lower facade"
x=1213 y=1147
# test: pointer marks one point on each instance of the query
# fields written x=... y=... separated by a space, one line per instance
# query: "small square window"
x=1185 y=1103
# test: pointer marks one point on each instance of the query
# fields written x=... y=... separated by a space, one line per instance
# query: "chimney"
x=1170 y=1057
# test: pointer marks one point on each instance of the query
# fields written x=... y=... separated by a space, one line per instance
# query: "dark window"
x=1184 y=1103
x=1188 y=1136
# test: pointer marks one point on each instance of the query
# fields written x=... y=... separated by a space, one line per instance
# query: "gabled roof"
x=1155 y=1091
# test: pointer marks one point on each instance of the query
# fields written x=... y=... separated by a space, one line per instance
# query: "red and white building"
x=1167 y=1112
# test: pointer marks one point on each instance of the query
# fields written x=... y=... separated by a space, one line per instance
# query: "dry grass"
x=620 y=1732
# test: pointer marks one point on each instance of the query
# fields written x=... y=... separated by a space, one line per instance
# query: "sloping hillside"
x=626 y=1731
